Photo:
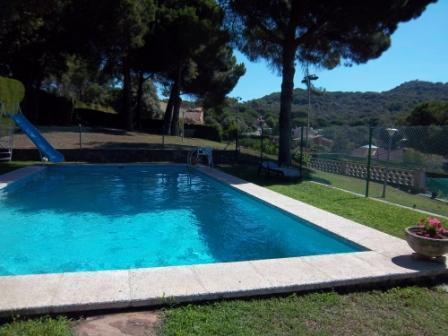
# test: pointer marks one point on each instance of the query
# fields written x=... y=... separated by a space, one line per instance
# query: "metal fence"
x=405 y=165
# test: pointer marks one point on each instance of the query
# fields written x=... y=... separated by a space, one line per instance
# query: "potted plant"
x=429 y=238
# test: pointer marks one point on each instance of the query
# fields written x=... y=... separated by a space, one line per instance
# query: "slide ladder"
x=41 y=143
x=6 y=136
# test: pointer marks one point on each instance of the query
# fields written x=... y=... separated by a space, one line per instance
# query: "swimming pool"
x=91 y=218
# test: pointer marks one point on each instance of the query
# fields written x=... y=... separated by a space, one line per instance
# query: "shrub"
x=211 y=132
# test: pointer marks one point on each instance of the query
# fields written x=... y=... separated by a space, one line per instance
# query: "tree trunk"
x=138 y=109
x=176 y=110
x=168 y=117
x=177 y=102
x=288 y=71
x=128 y=114
x=29 y=104
x=31 y=101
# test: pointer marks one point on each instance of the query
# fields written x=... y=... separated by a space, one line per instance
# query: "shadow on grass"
x=109 y=131
x=250 y=173
x=348 y=198
x=85 y=129
x=308 y=175
x=139 y=145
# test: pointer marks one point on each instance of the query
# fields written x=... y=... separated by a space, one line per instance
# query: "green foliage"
x=193 y=54
x=231 y=130
x=348 y=108
x=89 y=50
x=429 y=113
x=11 y=94
x=306 y=158
x=269 y=146
x=211 y=132
x=427 y=139
x=322 y=33
x=413 y=157
x=82 y=82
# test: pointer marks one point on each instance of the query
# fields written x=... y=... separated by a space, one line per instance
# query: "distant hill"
x=353 y=108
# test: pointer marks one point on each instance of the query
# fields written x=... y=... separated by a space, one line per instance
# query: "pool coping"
x=388 y=259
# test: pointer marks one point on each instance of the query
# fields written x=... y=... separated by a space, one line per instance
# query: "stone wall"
x=413 y=179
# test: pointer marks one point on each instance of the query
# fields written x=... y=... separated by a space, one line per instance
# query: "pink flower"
x=434 y=222
x=431 y=227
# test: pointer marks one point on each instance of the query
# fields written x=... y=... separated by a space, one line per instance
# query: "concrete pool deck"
x=388 y=259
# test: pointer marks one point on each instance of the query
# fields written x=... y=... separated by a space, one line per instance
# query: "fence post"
x=301 y=152
x=237 y=138
x=369 y=160
x=80 y=135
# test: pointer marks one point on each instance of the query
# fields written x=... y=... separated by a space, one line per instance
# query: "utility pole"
x=307 y=81
x=391 y=132
x=237 y=139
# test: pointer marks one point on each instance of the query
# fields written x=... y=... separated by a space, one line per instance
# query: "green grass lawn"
x=399 y=311
x=38 y=327
x=392 y=194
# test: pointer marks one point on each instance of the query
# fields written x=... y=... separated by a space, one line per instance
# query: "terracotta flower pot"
x=425 y=246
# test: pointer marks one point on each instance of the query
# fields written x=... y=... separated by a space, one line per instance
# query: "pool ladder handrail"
x=206 y=152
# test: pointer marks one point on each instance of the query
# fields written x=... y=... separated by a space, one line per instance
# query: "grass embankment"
x=393 y=195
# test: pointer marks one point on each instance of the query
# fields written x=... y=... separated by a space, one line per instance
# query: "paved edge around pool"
x=20 y=175
x=388 y=259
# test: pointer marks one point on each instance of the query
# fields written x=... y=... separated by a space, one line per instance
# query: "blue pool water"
x=86 y=218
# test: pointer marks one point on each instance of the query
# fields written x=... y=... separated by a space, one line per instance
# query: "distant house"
x=363 y=151
x=379 y=153
x=192 y=115
x=314 y=136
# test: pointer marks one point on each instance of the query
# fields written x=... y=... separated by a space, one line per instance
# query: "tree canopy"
x=323 y=33
x=83 y=48
x=429 y=113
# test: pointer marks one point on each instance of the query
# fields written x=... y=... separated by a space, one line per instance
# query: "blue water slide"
x=44 y=146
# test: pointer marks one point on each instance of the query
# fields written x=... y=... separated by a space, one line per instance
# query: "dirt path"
x=122 y=324
x=68 y=138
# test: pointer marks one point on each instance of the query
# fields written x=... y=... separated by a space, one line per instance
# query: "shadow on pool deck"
x=416 y=263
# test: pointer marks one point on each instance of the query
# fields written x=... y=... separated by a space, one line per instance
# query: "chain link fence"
x=404 y=165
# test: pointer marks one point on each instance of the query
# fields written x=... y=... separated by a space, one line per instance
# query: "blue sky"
x=419 y=51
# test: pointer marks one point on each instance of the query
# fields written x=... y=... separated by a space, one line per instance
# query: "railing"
x=195 y=155
x=6 y=143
